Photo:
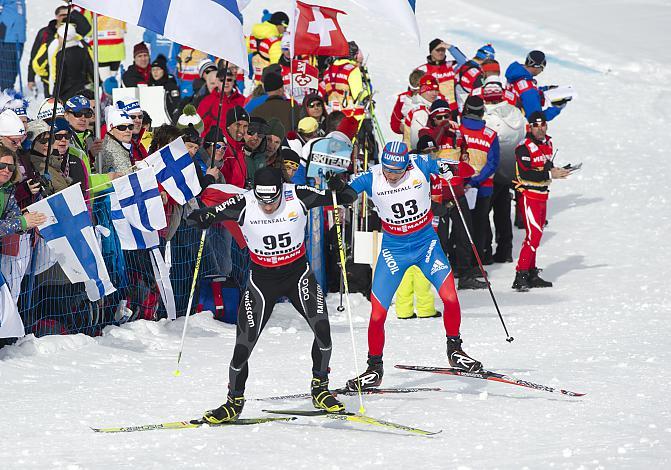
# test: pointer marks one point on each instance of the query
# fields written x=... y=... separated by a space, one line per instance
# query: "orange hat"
x=428 y=83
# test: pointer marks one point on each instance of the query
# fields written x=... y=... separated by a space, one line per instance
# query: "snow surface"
x=603 y=329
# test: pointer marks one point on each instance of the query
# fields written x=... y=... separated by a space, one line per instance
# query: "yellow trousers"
x=414 y=284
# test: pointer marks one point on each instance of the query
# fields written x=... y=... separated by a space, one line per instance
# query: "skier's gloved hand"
x=335 y=182
x=445 y=170
x=202 y=218
x=561 y=104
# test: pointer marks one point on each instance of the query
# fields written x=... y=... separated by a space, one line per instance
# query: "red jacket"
x=397 y=114
x=207 y=109
x=234 y=167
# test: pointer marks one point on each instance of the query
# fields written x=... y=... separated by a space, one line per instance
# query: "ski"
x=347 y=392
x=195 y=423
x=489 y=375
x=355 y=418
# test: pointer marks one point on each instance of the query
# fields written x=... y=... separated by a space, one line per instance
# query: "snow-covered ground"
x=603 y=329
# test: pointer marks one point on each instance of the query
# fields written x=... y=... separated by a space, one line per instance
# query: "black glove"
x=335 y=182
x=561 y=104
x=203 y=218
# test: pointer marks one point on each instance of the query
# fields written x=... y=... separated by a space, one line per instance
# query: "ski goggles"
x=8 y=166
x=266 y=195
x=289 y=165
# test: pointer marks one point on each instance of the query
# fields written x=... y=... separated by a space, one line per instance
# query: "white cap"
x=47 y=107
x=116 y=117
x=11 y=124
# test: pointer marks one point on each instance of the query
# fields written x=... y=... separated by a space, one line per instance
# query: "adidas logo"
x=438 y=266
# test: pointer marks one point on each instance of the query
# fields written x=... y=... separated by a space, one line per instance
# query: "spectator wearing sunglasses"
x=134 y=110
x=417 y=113
x=255 y=147
x=11 y=220
x=314 y=106
x=522 y=82
x=535 y=172
x=116 y=154
x=79 y=113
x=12 y=130
x=209 y=106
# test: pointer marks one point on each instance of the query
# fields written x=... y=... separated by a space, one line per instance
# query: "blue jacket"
x=531 y=97
x=13 y=21
x=493 y=157
x=255 y=103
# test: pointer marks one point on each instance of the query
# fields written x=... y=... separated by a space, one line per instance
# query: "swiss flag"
x=318 y=31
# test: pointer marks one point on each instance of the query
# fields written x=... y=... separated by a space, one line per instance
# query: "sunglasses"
x=291 y=165
x=125 y=127
x=229 y=80
x=7 y=166
x=136 y=117
x=43 y=140
x=539 y=124
x=441 y=117
x=316 y=104
x=88 y=114
x=65 y=136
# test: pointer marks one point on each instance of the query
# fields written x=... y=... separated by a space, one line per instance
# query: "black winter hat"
x=424 y=143
x=536 y=59
x=272 y=81
x=474 y=106
x=537 y=117
x=435 y=43
x=289 y=155
x=236 y=114
x=268 y=184
x=439 y=104
x=258 y=125
x=160 y=61
x=279 y=18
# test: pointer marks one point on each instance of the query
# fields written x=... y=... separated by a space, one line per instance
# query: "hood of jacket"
x=516 y=71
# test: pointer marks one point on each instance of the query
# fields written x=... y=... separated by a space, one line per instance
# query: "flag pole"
x=96 y=85
x=292 y=53
x=221 y=105
x=59 y=81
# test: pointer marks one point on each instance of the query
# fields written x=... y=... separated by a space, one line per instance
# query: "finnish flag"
x=140 y=202
x=174 y=169
x=211 y=26
x=11 y=325
x=130 y=237
x=70 y=237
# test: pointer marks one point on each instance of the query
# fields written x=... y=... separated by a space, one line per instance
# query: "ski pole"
x=342 y=286
x=477 y=257
x=193 y=289
x=343 y=269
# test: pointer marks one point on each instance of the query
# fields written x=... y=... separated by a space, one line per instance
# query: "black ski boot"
x=521 y=283
x=470 y=282
x=322 y=398
x=229 y=411
x=369 y=379
x=535 y=281
x=458 y=358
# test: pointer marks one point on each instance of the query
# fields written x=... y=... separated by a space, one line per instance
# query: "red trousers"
x=534 y=211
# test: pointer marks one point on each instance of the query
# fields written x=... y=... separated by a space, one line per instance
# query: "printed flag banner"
x=211 y=26
x=72 y=240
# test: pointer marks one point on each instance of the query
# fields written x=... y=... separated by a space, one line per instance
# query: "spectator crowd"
x=490 y=129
